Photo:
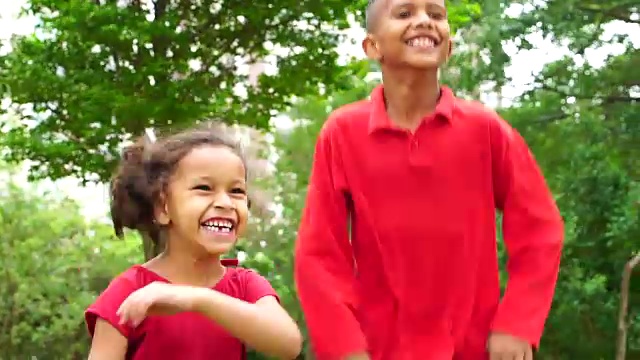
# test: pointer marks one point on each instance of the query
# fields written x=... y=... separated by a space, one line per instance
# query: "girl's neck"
x=181 y=267
x=410 y=95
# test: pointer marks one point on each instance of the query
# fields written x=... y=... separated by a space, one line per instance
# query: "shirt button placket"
x=417 y=155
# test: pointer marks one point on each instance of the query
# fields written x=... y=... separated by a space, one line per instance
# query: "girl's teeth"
x=220 y=226
x=216 y=228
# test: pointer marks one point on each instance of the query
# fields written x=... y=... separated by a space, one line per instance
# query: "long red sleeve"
x=533 y=234
x=324 y=264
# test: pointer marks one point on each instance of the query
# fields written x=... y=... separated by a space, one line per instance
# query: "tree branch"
x=610 y=99
x=620 y=12
x=623 y=325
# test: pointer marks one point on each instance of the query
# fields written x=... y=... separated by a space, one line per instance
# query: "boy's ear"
x=370 y=47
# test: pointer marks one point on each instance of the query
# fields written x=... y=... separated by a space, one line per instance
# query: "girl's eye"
x=238 y=191
x=404 y=14
x=202 y=187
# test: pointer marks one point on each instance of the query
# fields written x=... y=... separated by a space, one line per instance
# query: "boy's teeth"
x=421 y=42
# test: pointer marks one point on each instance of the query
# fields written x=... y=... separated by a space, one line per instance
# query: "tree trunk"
x=623 y=325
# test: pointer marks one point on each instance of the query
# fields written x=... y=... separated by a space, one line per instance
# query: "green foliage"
x=98 y=71
x=294 y=148
x=580 y=120
x=54 y=264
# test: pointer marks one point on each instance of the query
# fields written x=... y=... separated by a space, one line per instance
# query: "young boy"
x=417 y=176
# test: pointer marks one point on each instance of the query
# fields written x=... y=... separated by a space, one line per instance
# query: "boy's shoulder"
x=475 y=110
x=356 y=113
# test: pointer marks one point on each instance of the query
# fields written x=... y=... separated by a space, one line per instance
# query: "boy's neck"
x=410 y=95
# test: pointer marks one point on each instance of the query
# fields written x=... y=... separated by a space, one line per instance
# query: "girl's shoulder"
x=108 y=302
x=246 y=284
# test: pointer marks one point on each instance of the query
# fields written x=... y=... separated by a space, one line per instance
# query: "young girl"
x=187 y=303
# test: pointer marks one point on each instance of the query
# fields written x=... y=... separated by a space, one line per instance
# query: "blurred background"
x=79 y=78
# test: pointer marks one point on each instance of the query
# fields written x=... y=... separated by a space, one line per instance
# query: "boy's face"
x=412 y=33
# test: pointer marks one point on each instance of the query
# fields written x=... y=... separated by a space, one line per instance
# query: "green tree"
x=580 y=119
x=288 y=185
x=96 y=72
x=53 y=267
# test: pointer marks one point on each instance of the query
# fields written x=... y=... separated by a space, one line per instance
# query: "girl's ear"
x=161 y=211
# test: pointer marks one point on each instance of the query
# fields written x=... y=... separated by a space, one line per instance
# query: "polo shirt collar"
x=379 y=118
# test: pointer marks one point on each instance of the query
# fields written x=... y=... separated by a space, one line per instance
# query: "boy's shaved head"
x=371 y=14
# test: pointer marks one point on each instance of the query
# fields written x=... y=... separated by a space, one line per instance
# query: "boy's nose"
x=423 y=19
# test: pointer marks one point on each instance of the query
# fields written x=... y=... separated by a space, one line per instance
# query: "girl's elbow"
x=297 y=343
x=292 y=345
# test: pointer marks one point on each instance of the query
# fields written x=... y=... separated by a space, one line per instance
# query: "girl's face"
x=206 y=206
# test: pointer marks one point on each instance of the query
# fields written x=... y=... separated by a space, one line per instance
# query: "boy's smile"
x=423 y=41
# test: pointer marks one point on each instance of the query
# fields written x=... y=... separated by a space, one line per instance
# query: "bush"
x=54 y=264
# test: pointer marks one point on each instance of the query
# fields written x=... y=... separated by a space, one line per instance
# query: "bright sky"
x=524 y=65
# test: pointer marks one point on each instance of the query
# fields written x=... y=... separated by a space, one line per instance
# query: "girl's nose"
x=223 y=201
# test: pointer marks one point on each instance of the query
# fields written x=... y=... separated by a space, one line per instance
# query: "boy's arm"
x=324 y=263
x=533 y=234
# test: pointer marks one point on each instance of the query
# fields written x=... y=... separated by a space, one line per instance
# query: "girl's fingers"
x=133 y=309
x=138 y=311
x=529 y=355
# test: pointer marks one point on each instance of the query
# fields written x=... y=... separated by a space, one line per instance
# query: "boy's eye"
x=202 y=187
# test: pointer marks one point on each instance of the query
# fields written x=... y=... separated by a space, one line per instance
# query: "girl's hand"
x=506 y=347
x=358 y=357
x=157 y=298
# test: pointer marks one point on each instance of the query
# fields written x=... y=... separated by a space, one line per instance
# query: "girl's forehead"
x=211 y=161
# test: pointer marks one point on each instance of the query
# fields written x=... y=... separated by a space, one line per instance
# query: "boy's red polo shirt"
x=419 y=277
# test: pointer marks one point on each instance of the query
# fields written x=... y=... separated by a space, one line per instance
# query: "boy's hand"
x=506 y=347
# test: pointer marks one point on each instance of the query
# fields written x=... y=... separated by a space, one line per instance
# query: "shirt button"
x=414 y=144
